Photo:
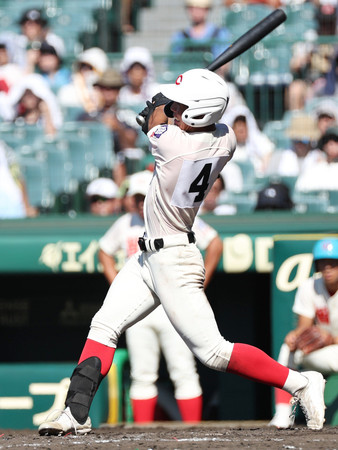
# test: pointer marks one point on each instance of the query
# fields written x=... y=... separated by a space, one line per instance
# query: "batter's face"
x=178 y=109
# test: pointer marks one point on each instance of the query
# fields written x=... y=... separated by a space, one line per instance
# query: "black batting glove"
x=158 y=100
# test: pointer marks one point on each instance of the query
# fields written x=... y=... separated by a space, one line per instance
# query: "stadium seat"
x=98 y=141
x=311 y=202
x=36 y=178
x=301 y=19
x=81 y=159
x=244 y=202
x=59 y=167
x=248 y=174
x=333 y=201
x=21 y=134
x=275 y=131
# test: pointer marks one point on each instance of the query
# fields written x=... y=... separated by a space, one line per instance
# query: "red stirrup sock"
x=282 y=396
x=144 y=409
x=190 y=409
x=251 y=362
x=101 y=351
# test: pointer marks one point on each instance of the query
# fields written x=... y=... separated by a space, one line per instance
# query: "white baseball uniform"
x=171 y=271
x=154 y=333
x=312 y=300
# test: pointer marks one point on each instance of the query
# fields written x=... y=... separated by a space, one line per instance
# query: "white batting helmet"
x=205 y=93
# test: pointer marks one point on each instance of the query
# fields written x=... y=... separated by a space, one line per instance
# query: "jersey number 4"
x=194 y=181
x=201 y=183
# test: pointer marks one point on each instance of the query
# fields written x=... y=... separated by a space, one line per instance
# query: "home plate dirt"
x=175 y=435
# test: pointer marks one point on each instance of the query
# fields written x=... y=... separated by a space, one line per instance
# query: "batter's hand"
x=313 y=338
x=158 y=100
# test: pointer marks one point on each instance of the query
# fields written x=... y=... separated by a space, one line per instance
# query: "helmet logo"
x=328 y=246
x=179 y=79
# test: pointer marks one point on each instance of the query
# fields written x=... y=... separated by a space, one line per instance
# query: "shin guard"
x=84 y=383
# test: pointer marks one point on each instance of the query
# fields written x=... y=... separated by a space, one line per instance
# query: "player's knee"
x=218 y=358
x=103 y=333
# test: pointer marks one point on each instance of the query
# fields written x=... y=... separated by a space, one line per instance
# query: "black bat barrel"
x=248 y=39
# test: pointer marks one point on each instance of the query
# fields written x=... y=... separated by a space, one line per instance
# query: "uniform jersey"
x=313 y=300
x=186 y=176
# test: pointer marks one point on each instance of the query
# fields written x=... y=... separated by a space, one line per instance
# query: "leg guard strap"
x=84 y=383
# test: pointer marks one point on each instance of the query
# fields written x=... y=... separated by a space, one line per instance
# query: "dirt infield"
x=175 y=435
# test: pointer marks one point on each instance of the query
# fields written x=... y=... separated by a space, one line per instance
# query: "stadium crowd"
x=73 y=118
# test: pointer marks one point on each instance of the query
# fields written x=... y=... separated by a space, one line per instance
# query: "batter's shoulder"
x=227 y=131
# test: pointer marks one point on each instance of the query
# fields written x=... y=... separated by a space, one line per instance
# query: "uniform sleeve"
x=110 y=241
x=204 y=233
x=161 y=138
x=304 y=304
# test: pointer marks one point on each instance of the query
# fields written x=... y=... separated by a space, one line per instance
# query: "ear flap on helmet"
x=167 y=110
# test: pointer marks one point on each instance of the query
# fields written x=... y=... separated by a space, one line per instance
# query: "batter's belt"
x=153 y=245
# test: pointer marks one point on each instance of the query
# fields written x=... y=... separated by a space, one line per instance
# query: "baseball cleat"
x=64 y=423
x=283 y=417
x=311 y=400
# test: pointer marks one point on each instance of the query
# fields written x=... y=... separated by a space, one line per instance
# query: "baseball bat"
x=243 y=43
x=248 y=39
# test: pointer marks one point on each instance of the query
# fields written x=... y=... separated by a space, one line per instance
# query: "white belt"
x=153 y=245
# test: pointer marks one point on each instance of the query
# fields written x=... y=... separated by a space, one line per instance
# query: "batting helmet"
x=205 y=93
x=325 y=249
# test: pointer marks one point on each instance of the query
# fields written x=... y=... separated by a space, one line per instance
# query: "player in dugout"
x=190 y=149
x=313 y=344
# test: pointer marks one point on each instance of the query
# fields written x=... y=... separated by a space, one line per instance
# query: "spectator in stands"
x=327 y=17
x=316 y=308
x=103 y=197
x=311 y=64
x=324 y=174
x=252 y=144
x=14 y=201
x=50 y=66
x=205 y=38
x=31 y=102
x=120 y=121
x=201 y=35
x=10 y=73
x=88 y=68
x=126 y=13
x=330 y=82
x=138 y=73
x=304 y=134
x=24 y=47
x=327 y=114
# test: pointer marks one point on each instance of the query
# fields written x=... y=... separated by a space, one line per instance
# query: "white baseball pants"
x=174 y=277
x=145 y=340
x=324 y=360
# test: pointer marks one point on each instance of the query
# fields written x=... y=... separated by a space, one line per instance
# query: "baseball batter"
x=189 y=155
x=154 y=333
x=313 y=344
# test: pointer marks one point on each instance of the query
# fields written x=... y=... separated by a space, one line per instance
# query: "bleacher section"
x=57 y=169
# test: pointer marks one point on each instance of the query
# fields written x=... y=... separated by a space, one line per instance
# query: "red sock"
x=103 y=352
x=144 y=409
x=251 y=362
x=190 y=409
x=282 y=396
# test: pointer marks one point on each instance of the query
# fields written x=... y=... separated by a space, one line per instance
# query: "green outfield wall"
x=51 y=286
